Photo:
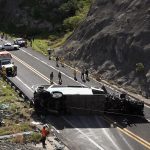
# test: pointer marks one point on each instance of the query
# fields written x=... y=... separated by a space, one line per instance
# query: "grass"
x=40 y=45
x=16 y=115
x=12 y=128
x=58 y=41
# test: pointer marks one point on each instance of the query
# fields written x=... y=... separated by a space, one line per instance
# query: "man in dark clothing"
x=59 y=77
x=75 y=74
x=87 y=74
x=51 y=77
x=82 y=75
x=49 y=54
x=57 y=59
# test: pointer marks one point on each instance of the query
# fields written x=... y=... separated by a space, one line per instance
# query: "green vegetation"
x=34 y=137
x=40 y=45
x=16 y=115
x=64 y=16
x=140 y=68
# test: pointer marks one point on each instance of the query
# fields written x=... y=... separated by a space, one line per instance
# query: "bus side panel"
x=85 y=104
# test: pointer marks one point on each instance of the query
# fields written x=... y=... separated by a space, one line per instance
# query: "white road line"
x=24 y=84
x=112 y=140
x=125 y=140
x=147 y=106
x=52 y=67
x=148 y=120
x=93 y=142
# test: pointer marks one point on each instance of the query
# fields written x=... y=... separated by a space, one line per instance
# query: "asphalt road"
x=81 y=132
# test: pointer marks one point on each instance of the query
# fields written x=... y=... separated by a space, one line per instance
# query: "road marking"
x=107 y=134
x=147 y=106
x=52 y=67
x=24 y=83
x=136 y=139
x=93 y=142
x=31 y=68
x=125 y=140
x=130 y=134
x=127 y=132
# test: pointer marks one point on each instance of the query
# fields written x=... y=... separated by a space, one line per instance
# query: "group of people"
x=84 y=76
x=52 y=77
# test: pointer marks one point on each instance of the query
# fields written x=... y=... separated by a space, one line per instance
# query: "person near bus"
x=57 y=59
x=44 y=133
x=59 y=78
x=51 y=77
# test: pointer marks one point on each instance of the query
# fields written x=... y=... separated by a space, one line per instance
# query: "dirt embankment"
x=114 y=42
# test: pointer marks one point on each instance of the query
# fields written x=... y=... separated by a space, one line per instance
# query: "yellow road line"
x=130 y=134
x=135 y=138
x=125 y=131
x=32 y=69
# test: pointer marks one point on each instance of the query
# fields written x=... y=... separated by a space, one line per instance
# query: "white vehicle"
x=83 y=100
x=20 y=41
x=59 y=99
x=70 y=90
x=5 y=63
x=9 y=46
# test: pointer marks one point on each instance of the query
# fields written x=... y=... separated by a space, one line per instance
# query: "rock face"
x=113 y=38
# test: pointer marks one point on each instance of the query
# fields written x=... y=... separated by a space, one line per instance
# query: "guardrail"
x=19 y=91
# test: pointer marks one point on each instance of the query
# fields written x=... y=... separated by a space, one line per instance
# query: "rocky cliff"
x=114 y=41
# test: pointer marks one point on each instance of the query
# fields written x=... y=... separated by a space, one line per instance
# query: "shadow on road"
x=77 y=121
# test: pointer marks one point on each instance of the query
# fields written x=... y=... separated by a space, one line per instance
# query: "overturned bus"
x=82 y=100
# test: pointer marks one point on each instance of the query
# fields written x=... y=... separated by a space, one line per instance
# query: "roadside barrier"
x=19 y=91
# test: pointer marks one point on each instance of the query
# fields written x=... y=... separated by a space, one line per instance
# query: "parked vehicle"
x=83 y=100
x=9 y=46
x=5 y=63
x=20 y=41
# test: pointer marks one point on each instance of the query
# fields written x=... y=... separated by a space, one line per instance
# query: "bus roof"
x=73 y=90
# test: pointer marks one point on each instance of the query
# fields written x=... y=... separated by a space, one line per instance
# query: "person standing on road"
x=82 y=74
x=51 y=77
x=49 y=54
x=57 y=59
x=87 y=74
x=75 y=74
x=44 y=133
x=59 y=77
x=62 y=61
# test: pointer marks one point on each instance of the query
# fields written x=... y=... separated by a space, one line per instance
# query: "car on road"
x=20 y=41
x=9 y=46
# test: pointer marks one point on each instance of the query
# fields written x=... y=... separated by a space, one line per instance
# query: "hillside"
x=41 y=17
x=114 y=42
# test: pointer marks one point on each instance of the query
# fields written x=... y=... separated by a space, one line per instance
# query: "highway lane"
x=32 y=79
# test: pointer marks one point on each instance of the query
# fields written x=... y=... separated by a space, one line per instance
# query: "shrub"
x=140 y=68
x=35 y=137
x=72 y=22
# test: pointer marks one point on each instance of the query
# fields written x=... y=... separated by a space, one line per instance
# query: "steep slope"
x=114 y=41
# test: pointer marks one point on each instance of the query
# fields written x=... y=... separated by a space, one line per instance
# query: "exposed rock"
x=113 y=38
